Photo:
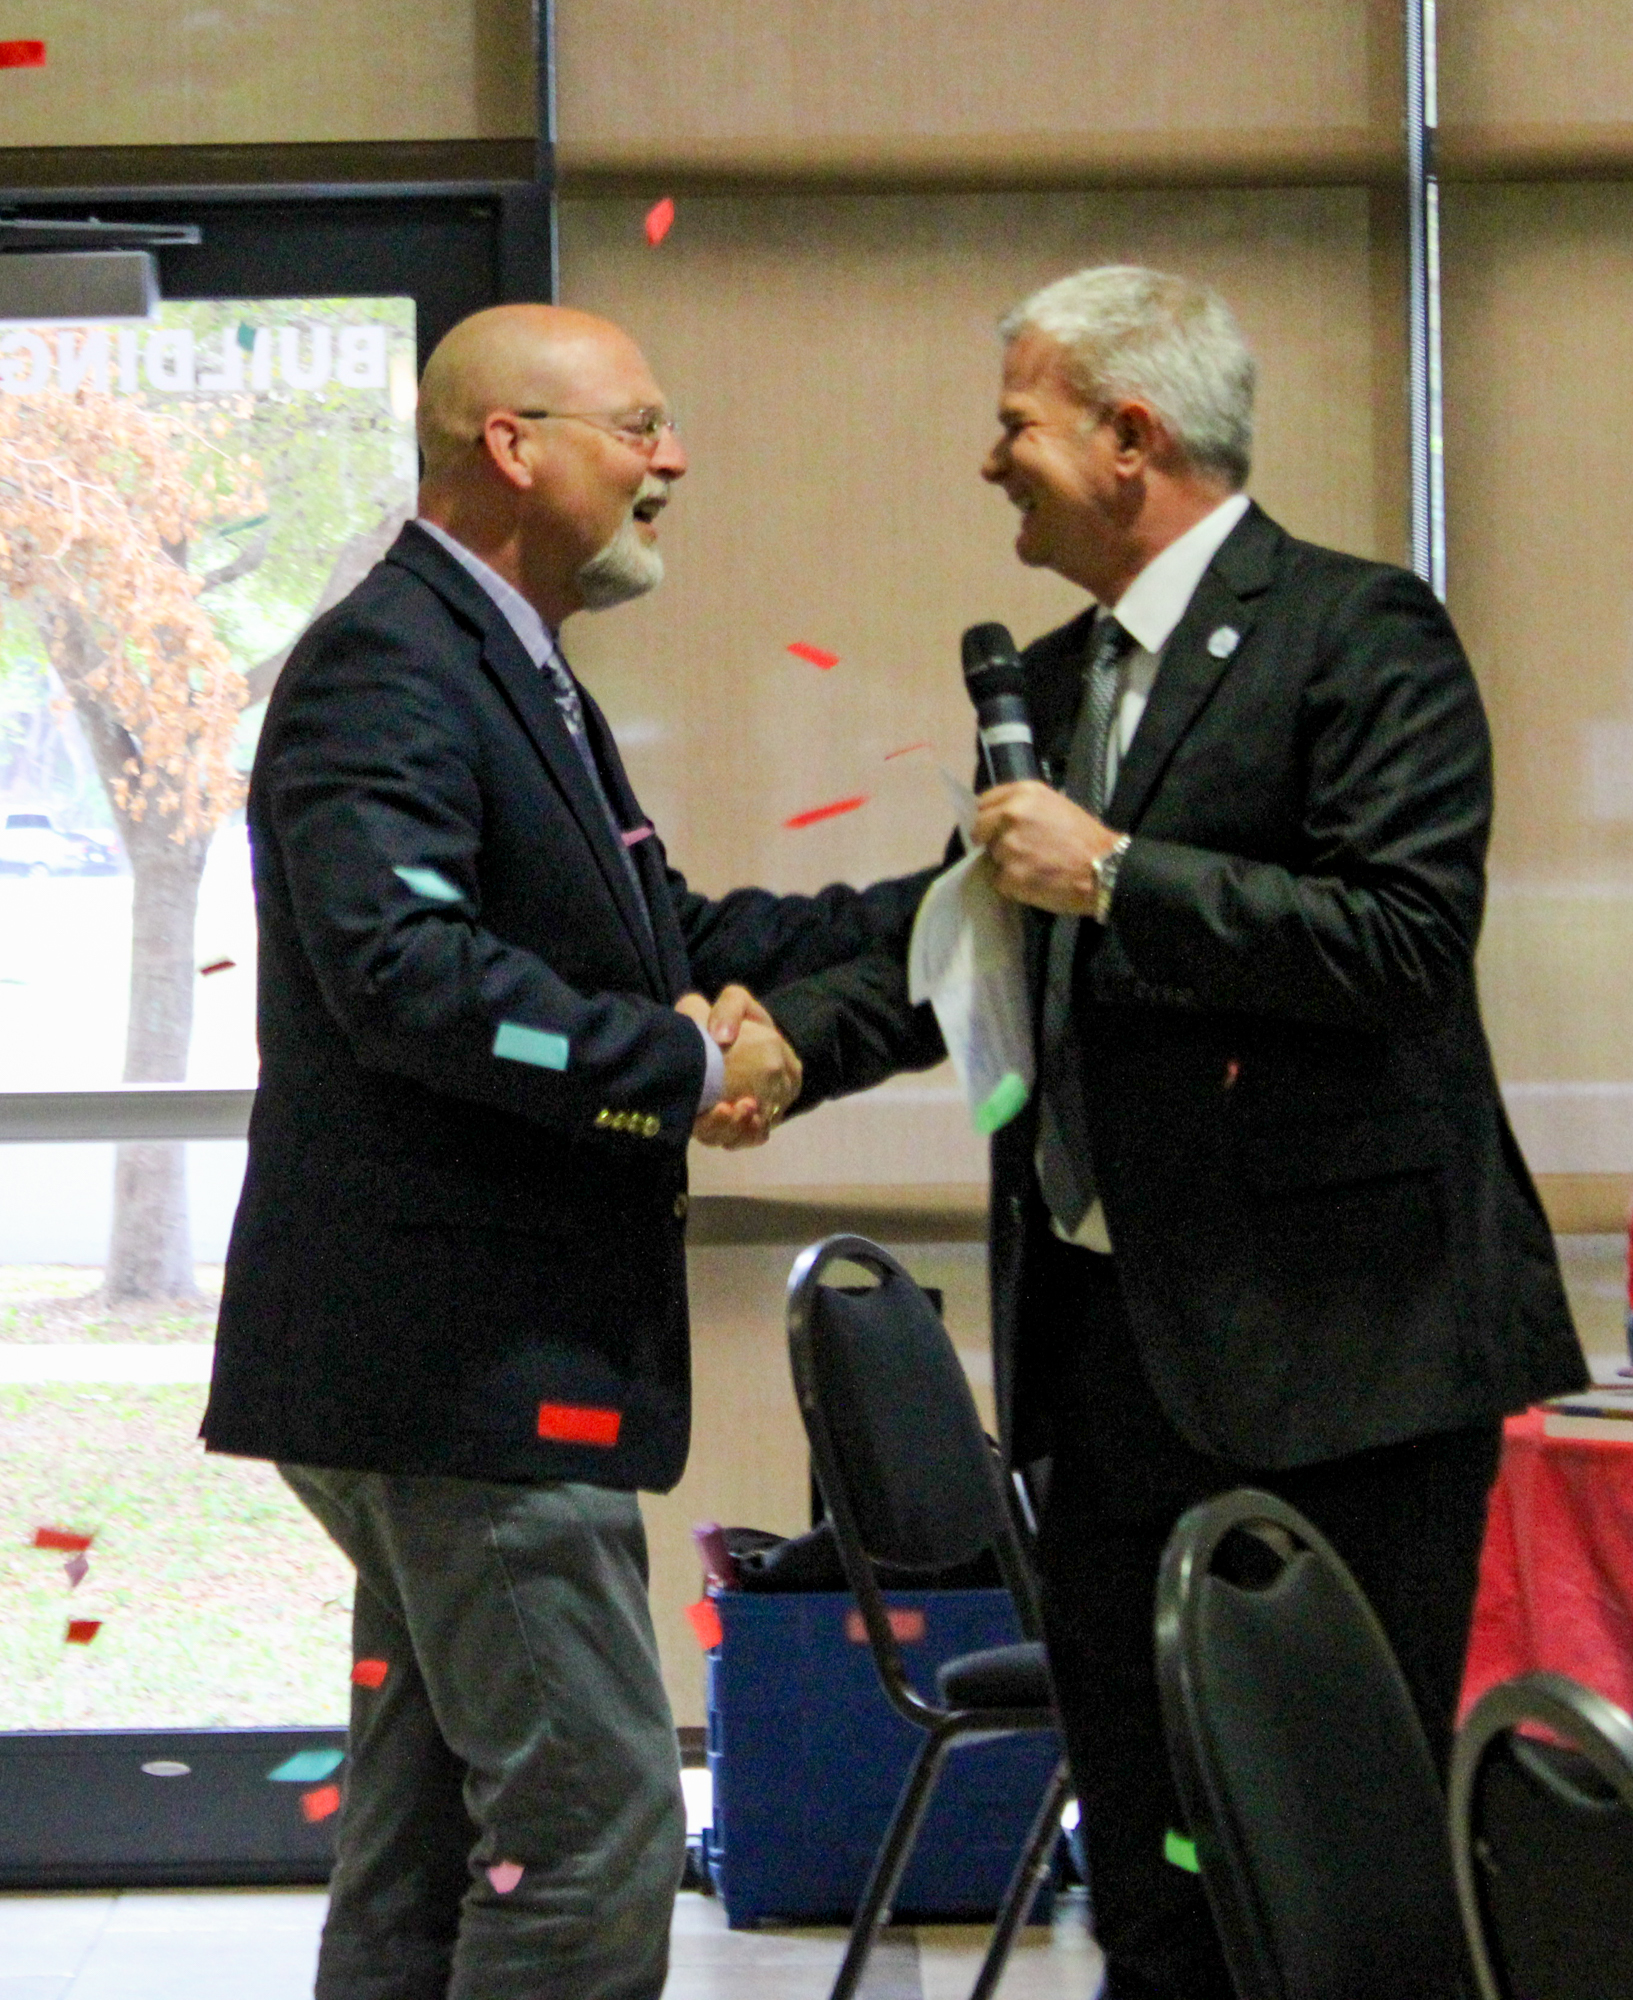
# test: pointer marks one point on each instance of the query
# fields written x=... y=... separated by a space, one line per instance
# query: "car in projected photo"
x=31 y=843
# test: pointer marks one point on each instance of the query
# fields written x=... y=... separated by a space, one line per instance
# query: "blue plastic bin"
x=808 y=1758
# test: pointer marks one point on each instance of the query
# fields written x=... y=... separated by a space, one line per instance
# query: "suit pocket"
x=1294 y=1156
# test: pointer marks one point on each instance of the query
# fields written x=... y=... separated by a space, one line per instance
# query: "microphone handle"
x=1005 y=731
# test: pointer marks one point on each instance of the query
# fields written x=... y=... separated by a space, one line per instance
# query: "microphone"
x=997 y=686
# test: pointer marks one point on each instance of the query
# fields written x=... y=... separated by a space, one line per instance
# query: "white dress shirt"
x=539 y=644
x=1148 y=611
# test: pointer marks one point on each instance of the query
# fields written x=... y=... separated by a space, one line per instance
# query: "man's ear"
x=1138 y=431
x=502 y=441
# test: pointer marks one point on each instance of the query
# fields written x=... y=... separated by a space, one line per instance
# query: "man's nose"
x=669 y=460
x=996 y=460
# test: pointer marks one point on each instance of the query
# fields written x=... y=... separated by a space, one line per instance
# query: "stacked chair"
x=1542 y=1841
x=1318 y=1816
x=911 y=1483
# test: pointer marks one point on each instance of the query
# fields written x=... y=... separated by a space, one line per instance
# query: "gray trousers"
x=522 y=1719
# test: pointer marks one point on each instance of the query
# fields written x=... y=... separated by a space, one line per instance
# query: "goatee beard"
x=627 y=567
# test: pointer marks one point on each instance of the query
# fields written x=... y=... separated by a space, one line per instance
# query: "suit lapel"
x=1195 y=660
x=526 y=690
x=646 y=855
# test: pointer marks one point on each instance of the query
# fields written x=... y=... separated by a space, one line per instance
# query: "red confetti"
x=830 y=811
x=81 y=1631
x=62 y=1538
x=321 y=1803
x=75 y=1569
x=907 y=750
x=22 y=55
x=370 y=1673
x=814 y=654
x=705 y=1622
x=660 y=219
x=573 y=1423
x=906 y=1627
x=219 y=965
x=504 y=1875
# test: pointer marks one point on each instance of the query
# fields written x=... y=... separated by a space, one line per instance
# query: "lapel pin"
x=1223 y=642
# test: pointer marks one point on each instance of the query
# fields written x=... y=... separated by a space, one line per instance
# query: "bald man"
x=455 y=1307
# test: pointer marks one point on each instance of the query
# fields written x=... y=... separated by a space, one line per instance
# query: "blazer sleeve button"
x=681 y=1206
x=603 y=1118
x=651 y=1125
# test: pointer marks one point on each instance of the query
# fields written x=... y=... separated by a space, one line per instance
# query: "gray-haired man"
x=1264 y=1222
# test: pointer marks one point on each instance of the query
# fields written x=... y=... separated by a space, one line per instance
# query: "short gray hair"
x=1130 y=332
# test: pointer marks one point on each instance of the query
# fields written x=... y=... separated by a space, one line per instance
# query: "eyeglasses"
x=643 y=430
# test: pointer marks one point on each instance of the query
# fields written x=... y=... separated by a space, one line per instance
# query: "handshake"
x=763 y=1074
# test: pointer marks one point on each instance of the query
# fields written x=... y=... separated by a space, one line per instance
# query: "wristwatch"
x=1105 y=877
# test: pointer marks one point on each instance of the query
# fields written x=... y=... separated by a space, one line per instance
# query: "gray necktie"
x=1065 y=1171
x=565 y=690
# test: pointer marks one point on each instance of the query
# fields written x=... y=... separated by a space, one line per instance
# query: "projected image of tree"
x=176 y=503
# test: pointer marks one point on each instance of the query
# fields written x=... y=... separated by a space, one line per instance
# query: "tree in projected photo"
x=176 y=504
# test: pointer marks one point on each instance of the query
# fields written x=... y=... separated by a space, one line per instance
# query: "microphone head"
x=991 y=665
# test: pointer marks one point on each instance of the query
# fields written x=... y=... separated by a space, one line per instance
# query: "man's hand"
x=763 y=1074
x=1043 y=847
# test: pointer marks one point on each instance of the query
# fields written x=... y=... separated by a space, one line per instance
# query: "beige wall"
x=178 y=73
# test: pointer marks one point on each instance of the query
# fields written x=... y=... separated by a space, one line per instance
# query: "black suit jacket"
x=1325 y=1233
x=445 y=1261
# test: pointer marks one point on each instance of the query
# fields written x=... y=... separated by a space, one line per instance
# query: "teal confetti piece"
x=246 y=336
x=1000 y=1104
x=307 y=1766
x=427 y=882
x=530 y=1045
x=1179 y=1852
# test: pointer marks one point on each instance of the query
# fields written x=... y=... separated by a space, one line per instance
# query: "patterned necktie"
x=1065 y=1171
x=565 y=690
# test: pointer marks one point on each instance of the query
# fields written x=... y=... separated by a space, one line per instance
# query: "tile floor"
x=261 y=1944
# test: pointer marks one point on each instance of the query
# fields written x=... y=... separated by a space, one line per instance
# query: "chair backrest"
x=1301 y=1764
x=906 y=1470
x=1542 y=1841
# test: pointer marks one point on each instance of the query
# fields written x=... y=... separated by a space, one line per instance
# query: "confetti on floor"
x=75 y=1569
x=660 y=218
x=815 y=654
x=830 y=811
x=321 y=1803
x=705 y=1622
x=81 y=1631
x=504 y=1875
x=907 y=750
x=306 y=1767
x=217 y=965
x=62 y=1538
x=370 y=1673
x=22 y=55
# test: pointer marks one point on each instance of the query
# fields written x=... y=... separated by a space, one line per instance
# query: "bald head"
x=549 y=453
x=520 y=357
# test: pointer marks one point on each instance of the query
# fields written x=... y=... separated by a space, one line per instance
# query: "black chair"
x=911 y=1482
x=1301 y=1766
x=1542 y=1841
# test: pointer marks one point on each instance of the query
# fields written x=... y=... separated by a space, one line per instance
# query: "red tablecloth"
x=1556 y=1573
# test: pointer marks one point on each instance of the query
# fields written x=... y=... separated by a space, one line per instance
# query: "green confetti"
x=530 y=1045
x=1179 y=1852
x=307 y=1766
x=427 y=882
x=1001 y=1103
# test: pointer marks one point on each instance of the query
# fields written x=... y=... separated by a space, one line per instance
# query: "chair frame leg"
x=890 y=1864
x=1030 y=1869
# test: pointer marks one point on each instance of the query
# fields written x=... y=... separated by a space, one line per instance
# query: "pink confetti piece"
x=633 y=836
x=705 y=1622
x=75 y=1569
x=219 y=965
x=814 y=654
x=81 y=1631
x=830 y=811
x=907 y=750
x=660 y=219
x=504 y=1875
x=370 y=1673
x=320 y=1804
x=62 y=1538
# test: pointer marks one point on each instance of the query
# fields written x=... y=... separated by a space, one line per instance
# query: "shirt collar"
x=1156 y=600
x=538 y=641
